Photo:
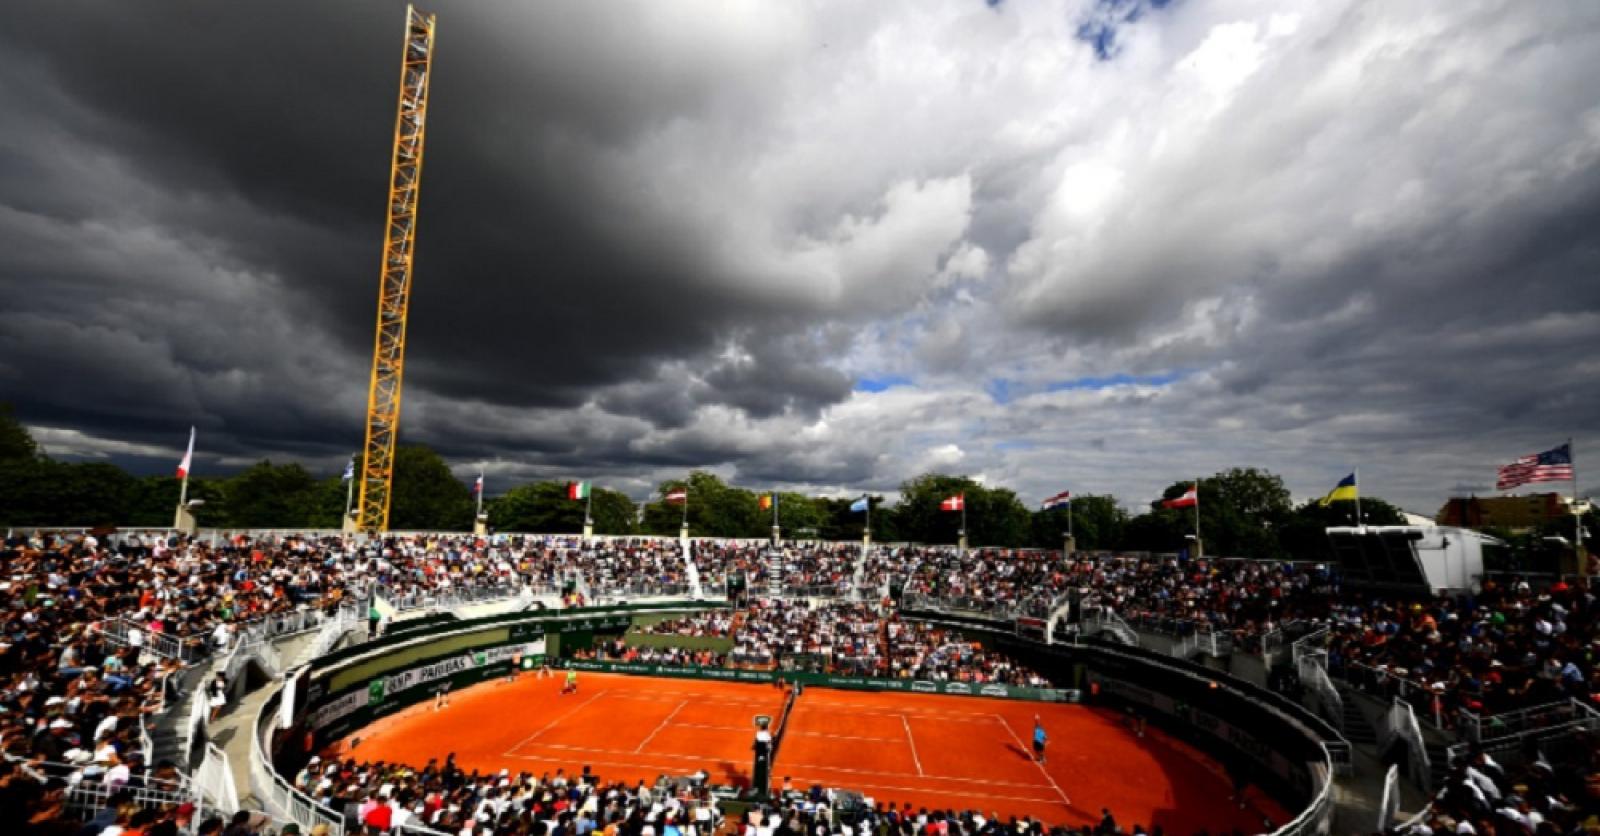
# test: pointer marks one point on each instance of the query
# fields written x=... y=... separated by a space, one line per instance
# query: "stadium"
x=419 y=683
x=820 y=302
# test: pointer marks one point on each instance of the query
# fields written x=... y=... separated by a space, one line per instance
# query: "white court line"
x=1067 y=802
x=956 y=793
x=821 y=735
x=943 y=718
x=565 y=747
x=664 y=724
x=553 y=723
x=985 y=782
x=913 y=741
x=566 y=761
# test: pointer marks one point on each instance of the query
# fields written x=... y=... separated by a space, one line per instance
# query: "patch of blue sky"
x=1100 y=26
x=879 y=384
x=1119 y=379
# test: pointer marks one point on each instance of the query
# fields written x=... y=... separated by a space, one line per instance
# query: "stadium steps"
x=1357 y=728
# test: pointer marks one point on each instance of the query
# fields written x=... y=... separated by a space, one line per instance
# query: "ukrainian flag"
x=1346 y=490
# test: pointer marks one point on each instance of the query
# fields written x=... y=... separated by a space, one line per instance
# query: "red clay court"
x=928 y=750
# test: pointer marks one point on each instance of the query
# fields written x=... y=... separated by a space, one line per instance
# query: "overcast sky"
x=1094 y=245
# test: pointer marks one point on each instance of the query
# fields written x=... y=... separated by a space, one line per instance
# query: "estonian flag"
x=1345 y=490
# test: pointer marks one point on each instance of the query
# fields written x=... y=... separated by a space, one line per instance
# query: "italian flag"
x=577 y=490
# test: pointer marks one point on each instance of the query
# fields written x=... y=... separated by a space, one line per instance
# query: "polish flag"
x=1190 y=498
x=954 y=503
x=188 y=457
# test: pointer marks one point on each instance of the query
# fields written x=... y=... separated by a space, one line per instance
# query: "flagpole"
x=1577 y=518
x=1357 y=474
x=1069 y=516
x=480 y=495
x=350 y=488
x=588 y=506
x=1200 y=549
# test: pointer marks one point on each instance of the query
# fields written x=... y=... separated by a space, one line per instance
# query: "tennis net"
x=782 y=725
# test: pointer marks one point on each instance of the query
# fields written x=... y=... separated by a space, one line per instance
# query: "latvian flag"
x=678 y=496
x=954 y=503
x=1550 y=466
x=577 y=490
x=1190 y=497
x=188 y=457
x=1060 y=499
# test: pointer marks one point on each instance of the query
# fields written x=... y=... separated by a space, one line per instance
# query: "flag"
x=954 y=503
x=678 y=496
x=1553 y=465
x=381 y=607
x=1190 y=497
x=577 y=490
x=188 y=457
x=477 y=487
x=767 y=499
x=1060 y=499
x=859 y=505
x=1346 y=489
x=349 y=470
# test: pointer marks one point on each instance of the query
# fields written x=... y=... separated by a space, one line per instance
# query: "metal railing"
x=1386 y=684
x=1105 y=621
x=120 y=630
x=1315 y=641
x=1400 y=723
x=1313 y=670
x=1477 y=729
x=1317 y=817
x=281 y=798
x=1540 y=723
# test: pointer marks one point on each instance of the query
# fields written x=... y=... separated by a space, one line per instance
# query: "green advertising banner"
x=822 y=680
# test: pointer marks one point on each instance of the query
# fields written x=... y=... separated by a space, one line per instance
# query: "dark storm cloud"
x=656 y=237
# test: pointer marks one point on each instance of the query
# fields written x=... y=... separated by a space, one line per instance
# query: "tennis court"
x=924 y=750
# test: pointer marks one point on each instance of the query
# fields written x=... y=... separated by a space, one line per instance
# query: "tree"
x=799 y=515
x=1097 y=523
x=1240 y=512
x=543 y=507
x=16 y=443
x=841 y=523
x=268 y=496
x=425 y=495
x=995 y=516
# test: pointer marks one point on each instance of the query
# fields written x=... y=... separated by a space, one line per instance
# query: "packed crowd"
x=1555 y=789
x=853 y=639
x=382 y=797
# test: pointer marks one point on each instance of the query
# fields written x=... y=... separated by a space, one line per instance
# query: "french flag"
x=188 y=457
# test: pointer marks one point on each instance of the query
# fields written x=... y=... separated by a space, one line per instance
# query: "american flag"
x=1550 y=466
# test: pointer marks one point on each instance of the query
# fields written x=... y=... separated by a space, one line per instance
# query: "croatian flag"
x=1060 y=499
x=1190 y=498
x=188 y=457
x=954 y=503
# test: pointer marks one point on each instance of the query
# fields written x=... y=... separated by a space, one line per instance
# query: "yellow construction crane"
x=394 y=291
